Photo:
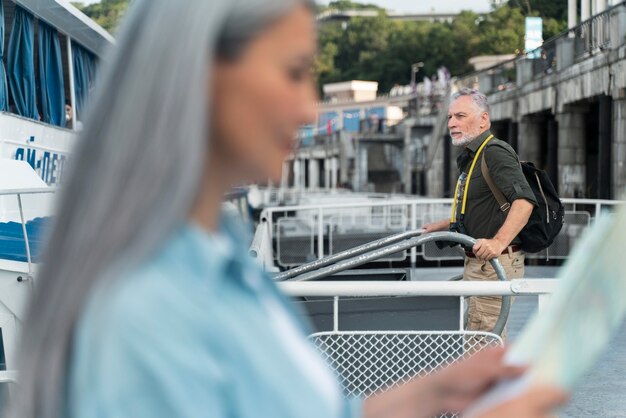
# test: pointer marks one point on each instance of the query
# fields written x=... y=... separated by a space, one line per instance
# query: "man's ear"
x=484 y=118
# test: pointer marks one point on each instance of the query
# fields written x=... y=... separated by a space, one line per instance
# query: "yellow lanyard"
x=469 y=176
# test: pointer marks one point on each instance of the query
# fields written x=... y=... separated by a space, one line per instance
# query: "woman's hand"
x=536 y=403
x=455 y=388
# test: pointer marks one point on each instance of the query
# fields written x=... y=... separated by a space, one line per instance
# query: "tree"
x=107 y=13
x=548 y=9
x=380 y=49
x=361 y=45
x=553 y=13
x=502 y=31
x=350 y=5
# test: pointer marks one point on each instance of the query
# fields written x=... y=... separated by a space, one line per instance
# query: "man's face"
x=465 y=121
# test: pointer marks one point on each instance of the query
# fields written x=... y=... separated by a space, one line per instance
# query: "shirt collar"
x=223 y=251
x=476 y=143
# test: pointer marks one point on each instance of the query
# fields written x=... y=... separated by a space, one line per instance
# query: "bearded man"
x=476 y=210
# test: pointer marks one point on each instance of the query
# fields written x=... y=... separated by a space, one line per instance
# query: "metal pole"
x=414 y=228
x=421 y=240
x=585 y=10
x=329 y=288
x=408 y=158
x=572 y=13
x=70 y=68
x=343 y=255
x=336 y=313
x=462 y=313
x=28 y=258
x=320 y=236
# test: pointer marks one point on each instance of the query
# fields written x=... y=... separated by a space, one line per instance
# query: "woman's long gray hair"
x=135 y=171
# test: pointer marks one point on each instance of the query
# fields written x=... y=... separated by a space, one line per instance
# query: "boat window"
x=35 y=71
x=51 y=87
x=84 y=76
x=21 y=68
x=4 y=89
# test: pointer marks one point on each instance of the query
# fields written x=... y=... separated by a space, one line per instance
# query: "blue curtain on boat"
x=52 y=89
x=4 y=89
x=84 y=76
x=21 y=69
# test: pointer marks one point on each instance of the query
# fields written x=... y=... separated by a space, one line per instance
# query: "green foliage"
x=383 y=50
x=553 y=12
x=550 y=9
x=502 y=32
x=350 y=5
x=107 y=13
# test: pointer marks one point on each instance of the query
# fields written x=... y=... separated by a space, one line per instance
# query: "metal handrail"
x=389 y=249
x=344 y=255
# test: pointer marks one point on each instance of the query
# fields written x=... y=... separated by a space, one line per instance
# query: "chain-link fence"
x=367 y=363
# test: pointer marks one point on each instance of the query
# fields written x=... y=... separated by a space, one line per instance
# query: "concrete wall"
x=618 y=148
x=564 y=94
x=572 y=153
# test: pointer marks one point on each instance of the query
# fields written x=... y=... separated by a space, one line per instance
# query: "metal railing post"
x=336 y=313
x=413 y=228
x=28 y=257
x=320 y=232
x=402 y=246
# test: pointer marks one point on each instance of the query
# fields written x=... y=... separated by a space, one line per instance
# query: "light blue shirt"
x=187 y=334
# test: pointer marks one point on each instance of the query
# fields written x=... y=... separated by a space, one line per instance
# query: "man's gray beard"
x=462 y=141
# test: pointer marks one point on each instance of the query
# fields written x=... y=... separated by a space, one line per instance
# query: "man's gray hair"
x=479 y=99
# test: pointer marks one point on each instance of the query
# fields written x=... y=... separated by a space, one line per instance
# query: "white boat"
x=25 y=208
x=36 y=139
x=28 y=137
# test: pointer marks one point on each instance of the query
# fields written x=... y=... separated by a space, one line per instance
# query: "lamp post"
x=413 y=100
x=408 y=160
x=414 y=69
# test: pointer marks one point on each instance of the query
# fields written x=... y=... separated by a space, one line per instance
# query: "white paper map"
x=562 y=344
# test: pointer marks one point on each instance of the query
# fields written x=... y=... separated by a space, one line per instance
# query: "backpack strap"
x=504 y=204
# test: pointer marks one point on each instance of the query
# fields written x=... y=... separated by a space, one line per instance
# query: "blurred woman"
x=147 y=304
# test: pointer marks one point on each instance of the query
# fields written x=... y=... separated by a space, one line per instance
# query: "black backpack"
x=547 y=217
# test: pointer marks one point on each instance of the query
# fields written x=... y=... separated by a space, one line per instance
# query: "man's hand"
x=436 y=226
x=488 y=249
x=516 y=219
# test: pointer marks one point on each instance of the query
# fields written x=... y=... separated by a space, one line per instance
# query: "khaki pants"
x=483 y=311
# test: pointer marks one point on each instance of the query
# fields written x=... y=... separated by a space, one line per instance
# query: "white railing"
x=27 y=144
x=275 y=196
x=19 y=193
x=516 y=287
x=542 y=288
x=302 y=233
x=366 y=362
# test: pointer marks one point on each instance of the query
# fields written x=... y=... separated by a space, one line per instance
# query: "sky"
x=416 y=5
x=431 y=5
